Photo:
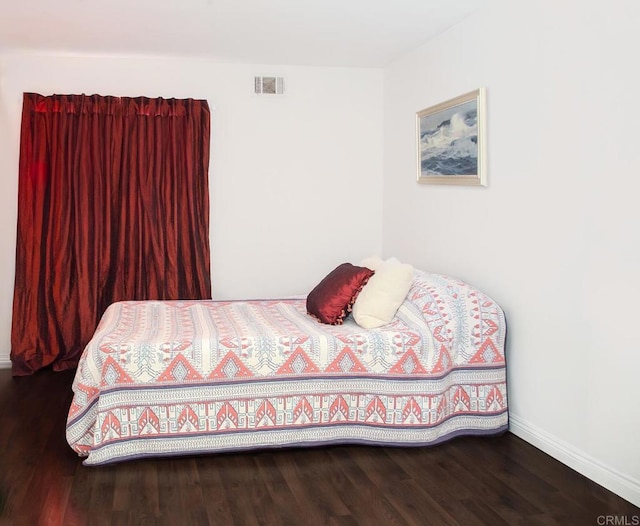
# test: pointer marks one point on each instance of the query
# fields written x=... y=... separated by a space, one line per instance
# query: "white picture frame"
x=451 y=141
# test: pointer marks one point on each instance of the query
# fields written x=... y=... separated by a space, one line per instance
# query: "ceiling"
x=356 y=33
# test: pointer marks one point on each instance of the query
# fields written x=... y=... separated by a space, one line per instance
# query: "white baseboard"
x=619 y=483
x=5 y=364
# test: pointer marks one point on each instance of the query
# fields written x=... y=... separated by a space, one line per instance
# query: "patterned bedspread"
x=186 y=377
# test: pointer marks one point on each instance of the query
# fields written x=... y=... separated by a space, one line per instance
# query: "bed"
x=167 y=378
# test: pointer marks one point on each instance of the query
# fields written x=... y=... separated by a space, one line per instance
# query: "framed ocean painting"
x=451 y=141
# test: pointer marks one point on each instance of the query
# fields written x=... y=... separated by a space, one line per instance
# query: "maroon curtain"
x=113 y=204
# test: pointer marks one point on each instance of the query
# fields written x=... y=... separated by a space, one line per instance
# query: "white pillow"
x=372 y=262
x=381 y=297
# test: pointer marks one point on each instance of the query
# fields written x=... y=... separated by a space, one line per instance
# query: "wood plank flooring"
x=468 y=481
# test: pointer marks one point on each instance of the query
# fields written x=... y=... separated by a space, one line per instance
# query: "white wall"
x=8 y=198
x=555 y=237
x=295 y=180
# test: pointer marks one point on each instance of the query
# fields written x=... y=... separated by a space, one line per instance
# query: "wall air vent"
x=269 y=85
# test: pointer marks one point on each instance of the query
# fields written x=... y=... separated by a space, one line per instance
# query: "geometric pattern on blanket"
x=184 y=377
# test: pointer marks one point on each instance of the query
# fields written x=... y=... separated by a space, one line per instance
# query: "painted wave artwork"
x=449 y=141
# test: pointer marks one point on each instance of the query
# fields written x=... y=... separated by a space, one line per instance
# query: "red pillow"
x=331 y=300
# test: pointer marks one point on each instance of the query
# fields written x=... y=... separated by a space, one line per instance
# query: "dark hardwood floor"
x=468 y=481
